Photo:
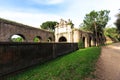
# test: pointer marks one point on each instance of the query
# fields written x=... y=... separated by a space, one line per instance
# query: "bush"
x=81 y=44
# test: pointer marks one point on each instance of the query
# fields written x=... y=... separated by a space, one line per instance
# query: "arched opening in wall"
x=37 y=39
x=90 y=41
x=62 y=39
x=83 y=40
x=49 y=39
x=17 y=38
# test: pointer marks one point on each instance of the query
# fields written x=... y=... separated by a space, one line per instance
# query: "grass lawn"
x=73 y=66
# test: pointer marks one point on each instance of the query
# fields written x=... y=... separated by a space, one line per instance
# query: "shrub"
x=81 y=44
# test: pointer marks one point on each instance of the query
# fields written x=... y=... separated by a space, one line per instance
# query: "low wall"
x=16 y=56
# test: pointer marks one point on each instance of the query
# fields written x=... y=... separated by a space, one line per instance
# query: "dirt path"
x=108 y=65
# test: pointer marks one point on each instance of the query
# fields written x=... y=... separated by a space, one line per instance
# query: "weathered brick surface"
x=9 y=28
x=16 y=56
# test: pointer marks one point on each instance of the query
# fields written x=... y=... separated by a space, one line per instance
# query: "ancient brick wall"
x=16 y=56
x=9 y=28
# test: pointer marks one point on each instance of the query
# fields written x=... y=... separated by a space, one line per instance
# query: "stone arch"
x=62 y=39
x=9 y=28
x=90 y=41
x=37 y=39
x=83 y=40
x=49 y=39
x=17 y=38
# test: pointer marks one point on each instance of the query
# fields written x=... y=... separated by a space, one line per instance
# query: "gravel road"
x=108 y=65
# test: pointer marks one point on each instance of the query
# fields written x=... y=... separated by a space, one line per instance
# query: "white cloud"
x=79 y=9
x=31 y=19
x=75 y=10
x=48 y=2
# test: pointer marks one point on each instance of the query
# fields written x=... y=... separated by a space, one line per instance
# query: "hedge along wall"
x=16 y=56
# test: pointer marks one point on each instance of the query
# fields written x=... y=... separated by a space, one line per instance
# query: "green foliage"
x=74 y=66
x=18 y=39
x=49 y=25
x=81 y=44
x=36 y=39
x=95 y=19
x=111 y=32
x=95 y=22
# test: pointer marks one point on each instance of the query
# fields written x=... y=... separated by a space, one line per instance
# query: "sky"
x=35 y=12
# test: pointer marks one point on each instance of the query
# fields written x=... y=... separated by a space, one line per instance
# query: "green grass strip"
x=74 y=66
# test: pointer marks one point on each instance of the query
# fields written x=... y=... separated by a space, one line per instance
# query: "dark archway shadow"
x=90 y=40
x=83 y=40
x=62 y=39
x=49 y=39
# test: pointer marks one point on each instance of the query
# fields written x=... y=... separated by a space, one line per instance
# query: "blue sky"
x=35 y=12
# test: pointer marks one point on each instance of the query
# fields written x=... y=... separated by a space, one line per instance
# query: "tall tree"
x=49 y=25
x=95 y=22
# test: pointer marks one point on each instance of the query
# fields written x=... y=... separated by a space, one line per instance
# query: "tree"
x=111 y=32
x=117 y=23
x=36 y=39
x=49 y=25
x=18 y=39
x=95 y=22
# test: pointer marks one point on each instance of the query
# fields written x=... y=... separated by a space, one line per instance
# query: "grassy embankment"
x=73 y=66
